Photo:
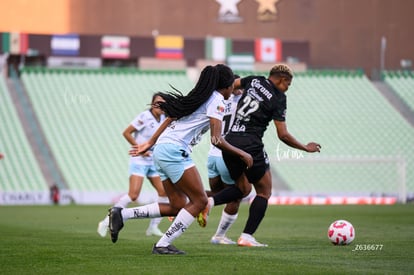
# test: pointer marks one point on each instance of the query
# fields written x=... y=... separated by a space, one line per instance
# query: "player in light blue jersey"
x=140 y=130
x=189 y=117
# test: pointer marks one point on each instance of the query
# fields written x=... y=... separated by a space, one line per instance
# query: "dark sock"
x=256 y=213
x=228 y=194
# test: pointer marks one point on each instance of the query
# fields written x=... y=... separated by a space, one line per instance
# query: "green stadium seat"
x=83 y=114
x=19 y=170
x=403 y=84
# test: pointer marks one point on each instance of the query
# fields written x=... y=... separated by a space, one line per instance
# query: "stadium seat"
x=403 y=84
x=83 y=114
x=19 y=170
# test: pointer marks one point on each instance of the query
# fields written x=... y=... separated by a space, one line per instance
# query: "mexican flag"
x=218 y=48
x=268 y=50
x=15 y=43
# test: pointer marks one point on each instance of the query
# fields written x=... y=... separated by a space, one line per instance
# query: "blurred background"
x=75 y=73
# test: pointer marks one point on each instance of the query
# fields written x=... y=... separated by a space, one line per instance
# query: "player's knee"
x=177 y=204
x=245 y=189
x=200 y=203
x=133 y=195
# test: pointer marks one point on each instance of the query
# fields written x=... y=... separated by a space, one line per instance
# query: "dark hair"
x=281 y=70
x=154 y=96
x=226 y=76
x=177 y=105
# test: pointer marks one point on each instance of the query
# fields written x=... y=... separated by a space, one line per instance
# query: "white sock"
x=246 y=236
x=183 y=220
x=155 y=222
x=123 y=201
x=163 y=200
x=211 y=202
x=151 y=210
x=226 y=222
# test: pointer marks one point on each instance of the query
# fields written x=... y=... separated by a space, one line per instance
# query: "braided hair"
x=212 y=78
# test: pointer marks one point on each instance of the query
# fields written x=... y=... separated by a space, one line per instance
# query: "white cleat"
x=154 y=231
x=249 y=240
x=102 y=228
x=221 y=240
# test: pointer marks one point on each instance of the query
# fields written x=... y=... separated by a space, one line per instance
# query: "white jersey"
x=145 y=125
x=187 y=131
x=228 y=118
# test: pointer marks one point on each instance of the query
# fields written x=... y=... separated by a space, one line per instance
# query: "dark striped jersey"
x=261 y=103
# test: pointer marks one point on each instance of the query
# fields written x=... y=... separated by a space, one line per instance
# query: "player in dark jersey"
x=264 y=100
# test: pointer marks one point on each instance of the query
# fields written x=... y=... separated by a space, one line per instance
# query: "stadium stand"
x=403 y=84
x=19 y=171
x=83 y=114
x=364 y=139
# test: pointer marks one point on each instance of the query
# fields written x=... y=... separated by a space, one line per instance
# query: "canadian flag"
x=268 y=50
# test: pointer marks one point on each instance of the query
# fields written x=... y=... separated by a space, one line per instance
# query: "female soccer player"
x=202 y=109
x=219 y=176
x=264 y=100
x=140 y=130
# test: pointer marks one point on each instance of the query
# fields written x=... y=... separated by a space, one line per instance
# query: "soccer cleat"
x=102 y=228
x=168 y=250
x=250 y=241
x=153 y=230
x=221 y=240
x=203 y=215
x=115 y=222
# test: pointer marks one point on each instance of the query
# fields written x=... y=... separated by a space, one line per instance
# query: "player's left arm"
x=288 y=139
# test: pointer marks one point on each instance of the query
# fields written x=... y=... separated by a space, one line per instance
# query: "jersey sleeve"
x=139 y=122
x=216 y=108
x=279 y=112
x=245 y=81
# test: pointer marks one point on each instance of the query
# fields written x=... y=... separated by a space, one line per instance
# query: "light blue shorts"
x=216 y=167
x=171 y=161
x=142 y=170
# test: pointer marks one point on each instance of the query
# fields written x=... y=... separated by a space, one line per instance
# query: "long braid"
x=177 y=105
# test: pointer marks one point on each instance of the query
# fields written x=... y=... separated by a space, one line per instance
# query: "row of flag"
x=166 y=47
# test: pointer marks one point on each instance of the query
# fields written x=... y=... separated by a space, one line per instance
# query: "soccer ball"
x=341 y=232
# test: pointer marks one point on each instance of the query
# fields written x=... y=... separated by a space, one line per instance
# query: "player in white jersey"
x=219 y=176
x=194 y=114
x=140 y=130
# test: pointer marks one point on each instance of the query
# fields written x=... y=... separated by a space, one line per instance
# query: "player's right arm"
x=143 y=147
x=128 y=134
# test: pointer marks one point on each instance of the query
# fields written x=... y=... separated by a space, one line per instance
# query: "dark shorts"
x=252 y=145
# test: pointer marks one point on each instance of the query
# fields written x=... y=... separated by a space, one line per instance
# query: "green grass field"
x=63 y=240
